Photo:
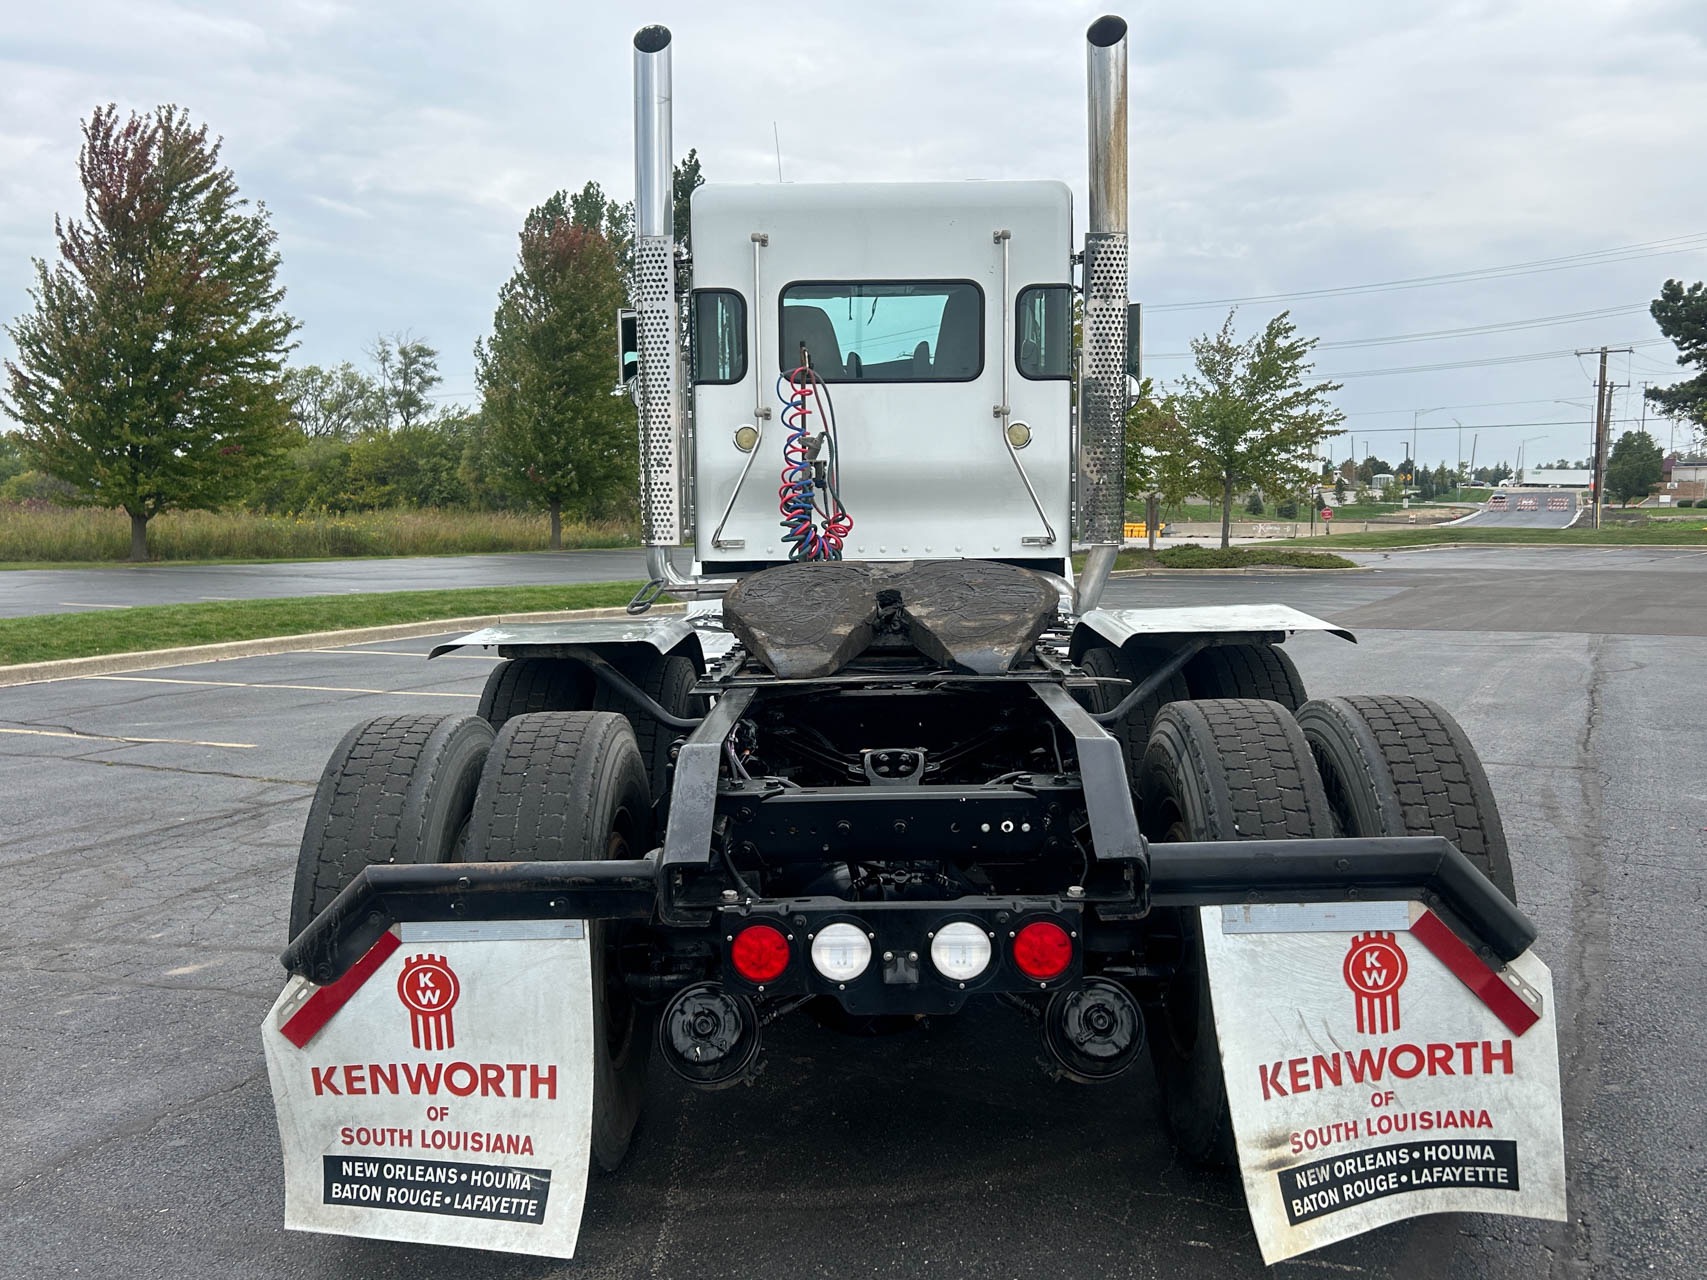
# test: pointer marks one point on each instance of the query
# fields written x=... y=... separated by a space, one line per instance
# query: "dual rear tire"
x=1245 y=769
x=548 y=786
x=523 y=686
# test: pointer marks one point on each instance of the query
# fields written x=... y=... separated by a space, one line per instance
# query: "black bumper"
x=1428 y=869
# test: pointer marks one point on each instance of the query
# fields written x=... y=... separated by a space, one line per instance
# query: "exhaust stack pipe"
x=654 y=206
x=1103 y=395
x=662 y=483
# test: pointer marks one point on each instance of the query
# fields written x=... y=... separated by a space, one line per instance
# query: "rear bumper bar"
x=1427 y=869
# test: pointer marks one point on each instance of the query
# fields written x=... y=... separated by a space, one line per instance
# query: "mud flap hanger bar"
x=1428 y=869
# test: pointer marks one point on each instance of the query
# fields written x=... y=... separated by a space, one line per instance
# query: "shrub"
x=1686 y=502
x=37 y=487
x=1253 y=504
x=1287 y=510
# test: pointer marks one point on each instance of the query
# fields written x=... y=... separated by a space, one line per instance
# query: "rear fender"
x=612 y=638
x=1169 y=628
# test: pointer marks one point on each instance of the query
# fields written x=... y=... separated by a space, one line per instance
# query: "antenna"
x=777 y=139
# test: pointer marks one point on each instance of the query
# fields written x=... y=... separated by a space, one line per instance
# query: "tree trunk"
x=1226 y=510
x=138 y=537
x=556 y=524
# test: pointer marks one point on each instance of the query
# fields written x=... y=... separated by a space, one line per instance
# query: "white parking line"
x=72 y=604
x=103 y=737
x=242 y=684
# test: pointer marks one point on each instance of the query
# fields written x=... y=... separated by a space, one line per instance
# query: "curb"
x=1525 y=546
x=148 y=659
x=1255 y=568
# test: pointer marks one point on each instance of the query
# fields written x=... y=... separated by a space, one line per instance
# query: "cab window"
x=884 y=330
x=1043 y=331
x=719 y=336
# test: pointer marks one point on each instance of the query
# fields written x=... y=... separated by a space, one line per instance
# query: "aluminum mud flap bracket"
x=441 y=1091
x=1399 y=1075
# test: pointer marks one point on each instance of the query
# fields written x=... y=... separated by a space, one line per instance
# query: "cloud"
x=1273 y=148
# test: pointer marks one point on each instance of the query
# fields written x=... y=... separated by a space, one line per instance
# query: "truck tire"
x=1246 y=671
x=397 y=789
x=570 y=786
x=1223 y=769
x=666 y=679
x=519 y=686
x=1133 y=729
x=1398 y=766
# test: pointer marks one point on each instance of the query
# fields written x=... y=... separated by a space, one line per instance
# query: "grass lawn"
x=1672 y=533
x=35 y=535
x=1192 y=556
x=47 y=637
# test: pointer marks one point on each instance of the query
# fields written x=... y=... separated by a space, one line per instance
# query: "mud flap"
x=1377 y=1069
x=441 y=1092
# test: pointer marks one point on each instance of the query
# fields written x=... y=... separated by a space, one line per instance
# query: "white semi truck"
x=897 y=761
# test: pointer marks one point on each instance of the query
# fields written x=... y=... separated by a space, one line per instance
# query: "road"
x=1525 y=509
x=149 y=860
x=30 y=591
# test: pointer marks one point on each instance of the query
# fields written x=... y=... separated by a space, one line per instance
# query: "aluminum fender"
x=1396 y=1074
x=441 y=1092
x=664 y=634
x=1117 y=626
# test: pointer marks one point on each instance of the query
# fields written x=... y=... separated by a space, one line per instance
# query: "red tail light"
x=760 y=953
x=1042 y=950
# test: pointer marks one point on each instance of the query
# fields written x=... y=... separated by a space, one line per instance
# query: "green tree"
x=415 y=466
x=1635 y=467
x=1158 y=452
x=1339 y=489
x=1682 y=316
x=552 y=425
x=148 y=370
x=313 y=475
x=686 y=180
x=338 y=403
x=407 y=370
x=1371 y=467
x=12 y=460
x=1250 y=418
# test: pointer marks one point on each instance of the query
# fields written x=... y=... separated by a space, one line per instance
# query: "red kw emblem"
x=1375 y=968
x=428 y=989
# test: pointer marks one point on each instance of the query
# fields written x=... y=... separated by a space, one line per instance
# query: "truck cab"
x=938 y=317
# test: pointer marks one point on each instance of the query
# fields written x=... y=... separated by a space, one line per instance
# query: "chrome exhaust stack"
x=658 y=392
x=1103 y=401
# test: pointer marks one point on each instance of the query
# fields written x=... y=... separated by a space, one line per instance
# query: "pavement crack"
x=1586 y=980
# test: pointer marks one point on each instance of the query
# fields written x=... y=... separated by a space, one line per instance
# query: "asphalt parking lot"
x=148 y=827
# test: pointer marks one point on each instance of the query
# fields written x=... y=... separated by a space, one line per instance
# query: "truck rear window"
x=884 y=330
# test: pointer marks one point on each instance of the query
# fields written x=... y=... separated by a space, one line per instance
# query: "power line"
x=1474 y=404
x=1622 y=253
x=1435 y=335
x=1464 y=364
x=1480 y=426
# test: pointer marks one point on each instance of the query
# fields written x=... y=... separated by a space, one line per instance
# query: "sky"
x=1276 y=151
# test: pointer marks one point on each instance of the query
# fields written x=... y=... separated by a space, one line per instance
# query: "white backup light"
x=841 y=952
x=960 y=951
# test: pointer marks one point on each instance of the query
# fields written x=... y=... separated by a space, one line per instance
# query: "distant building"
x=1382 y=481
x=1683 y=476
x=1557 y=478
x=1686 y=470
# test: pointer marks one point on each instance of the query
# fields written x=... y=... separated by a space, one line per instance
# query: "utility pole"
x=1602 y=424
